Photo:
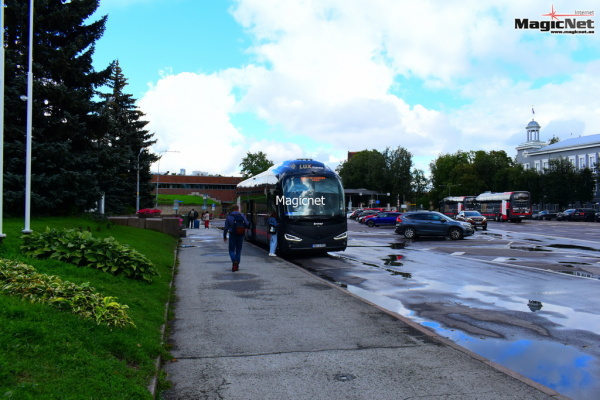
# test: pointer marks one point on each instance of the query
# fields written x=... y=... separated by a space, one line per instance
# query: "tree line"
x=465 y=174
x=88 y=137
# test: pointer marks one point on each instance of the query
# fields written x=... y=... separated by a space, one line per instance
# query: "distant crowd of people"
x=193 y=216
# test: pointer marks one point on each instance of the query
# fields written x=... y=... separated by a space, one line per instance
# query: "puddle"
x=402 y=274
x=528 y=248
x=572 y=246
x=572 y=374
x=184 y=246
x=571 y=263
x=393 y=260
x=581 y=274
x=326 y=277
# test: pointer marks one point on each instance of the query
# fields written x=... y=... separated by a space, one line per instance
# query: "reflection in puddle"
x=393 y=260
x=571 y=374
x=556 y=365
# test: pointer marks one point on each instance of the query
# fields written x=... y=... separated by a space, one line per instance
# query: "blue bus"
x=308 y=198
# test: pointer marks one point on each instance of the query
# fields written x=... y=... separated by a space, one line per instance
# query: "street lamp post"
x=2 y=235
x=158 y=174
x=137 y=196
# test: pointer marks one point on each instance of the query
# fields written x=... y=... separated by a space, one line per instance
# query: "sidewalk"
x=274 y=331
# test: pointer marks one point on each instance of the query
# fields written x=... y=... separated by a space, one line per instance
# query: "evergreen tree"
x=65 y=136
x=123 y=145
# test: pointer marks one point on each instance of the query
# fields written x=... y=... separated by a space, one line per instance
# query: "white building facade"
x=582 y=152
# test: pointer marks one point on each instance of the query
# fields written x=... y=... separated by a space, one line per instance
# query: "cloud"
x=325 y=77
x=189 y=114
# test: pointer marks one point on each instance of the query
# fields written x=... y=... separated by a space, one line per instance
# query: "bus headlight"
x=292 y=238
x=341 y=237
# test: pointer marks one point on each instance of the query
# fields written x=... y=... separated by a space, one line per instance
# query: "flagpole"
x=2 y=234
x=27 y=228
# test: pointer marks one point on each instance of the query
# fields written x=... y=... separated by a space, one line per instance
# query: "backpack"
x=239 y=225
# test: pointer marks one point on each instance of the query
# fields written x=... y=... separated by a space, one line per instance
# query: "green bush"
x=24 y=281
x=80 y=248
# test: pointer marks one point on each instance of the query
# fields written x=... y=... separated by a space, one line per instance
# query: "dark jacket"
x=229 y=222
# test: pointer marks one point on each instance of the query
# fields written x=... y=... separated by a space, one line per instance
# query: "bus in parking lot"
x=507 y=206
x=452 y=205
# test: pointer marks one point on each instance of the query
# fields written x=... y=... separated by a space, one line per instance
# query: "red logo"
x=553 y=15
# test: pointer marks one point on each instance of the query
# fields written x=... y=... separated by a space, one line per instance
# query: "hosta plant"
x=24 y=281
x=80 y=248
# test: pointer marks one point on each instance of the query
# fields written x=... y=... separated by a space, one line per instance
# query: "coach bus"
x=452 y=205
x=308 y=198
x=507 y=206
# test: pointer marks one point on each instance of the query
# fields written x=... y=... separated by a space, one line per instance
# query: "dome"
x=533 y=125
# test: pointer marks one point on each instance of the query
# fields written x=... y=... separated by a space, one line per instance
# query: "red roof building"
x=220 y=188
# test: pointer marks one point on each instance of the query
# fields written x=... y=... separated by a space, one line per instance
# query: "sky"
x=217 y=79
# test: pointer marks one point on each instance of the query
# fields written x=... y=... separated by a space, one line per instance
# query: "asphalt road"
x=523 y=295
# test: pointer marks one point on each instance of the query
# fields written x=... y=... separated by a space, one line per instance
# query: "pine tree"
x=66 y=128
x=123 y=145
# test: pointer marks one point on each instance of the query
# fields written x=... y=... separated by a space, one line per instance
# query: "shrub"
x=24 y=281
x=81 y=249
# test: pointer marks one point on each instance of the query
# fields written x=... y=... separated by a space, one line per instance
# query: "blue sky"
x=319 y=78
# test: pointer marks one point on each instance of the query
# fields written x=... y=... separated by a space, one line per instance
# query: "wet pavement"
x=274 y=331
x=501 y=294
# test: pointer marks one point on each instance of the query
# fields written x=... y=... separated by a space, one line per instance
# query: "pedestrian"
x=192 y=218
x=273 y=223
x=235 y=224
x=206 y=219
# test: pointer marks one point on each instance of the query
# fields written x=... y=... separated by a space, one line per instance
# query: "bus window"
x=312 y=196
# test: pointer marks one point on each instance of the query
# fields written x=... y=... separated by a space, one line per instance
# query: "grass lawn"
x=188 y=200
x=46 y=353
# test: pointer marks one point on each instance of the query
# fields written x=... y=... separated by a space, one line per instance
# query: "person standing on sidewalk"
x=235 y=224
x=206 y=219
x=273 y=234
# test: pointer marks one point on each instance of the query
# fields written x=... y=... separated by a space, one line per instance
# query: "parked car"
x=474 y=218
x=355 y=213
x=577 y=214
x=544 y=215
x=431 y=223
x=384 y=218
x=366 y=213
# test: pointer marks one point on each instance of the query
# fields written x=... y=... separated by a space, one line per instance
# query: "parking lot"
x=520 y=294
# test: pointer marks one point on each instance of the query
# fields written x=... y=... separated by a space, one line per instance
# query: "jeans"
x=235 y=247
x=273 y=243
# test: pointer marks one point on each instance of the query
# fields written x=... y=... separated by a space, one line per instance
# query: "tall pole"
x=2 y=235
x=27 y=228
x=158 y=173
x=137 y=196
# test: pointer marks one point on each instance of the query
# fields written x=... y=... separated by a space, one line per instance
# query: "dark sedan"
x=544 y=215
x=577 y=214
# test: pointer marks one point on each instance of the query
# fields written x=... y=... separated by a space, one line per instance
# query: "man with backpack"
x=235 y=224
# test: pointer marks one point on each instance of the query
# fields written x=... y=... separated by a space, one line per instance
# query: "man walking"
x=192 y=215
x=235 y=224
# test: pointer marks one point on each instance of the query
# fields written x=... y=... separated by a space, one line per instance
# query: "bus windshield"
x=310 y=196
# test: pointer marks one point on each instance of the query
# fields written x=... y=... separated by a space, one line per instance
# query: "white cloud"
x=189 y=114
x=325 y=72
